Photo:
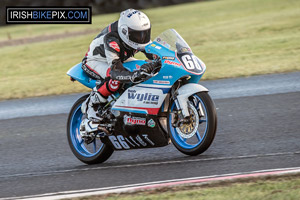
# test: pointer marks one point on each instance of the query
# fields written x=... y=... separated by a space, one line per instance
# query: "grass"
x=278 y=189
x=233 y=37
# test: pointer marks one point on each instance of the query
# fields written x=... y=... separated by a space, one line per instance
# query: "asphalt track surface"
x=255 y=132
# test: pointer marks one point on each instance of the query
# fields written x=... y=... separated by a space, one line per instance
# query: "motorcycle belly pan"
x=142 y=99
x=137 y=131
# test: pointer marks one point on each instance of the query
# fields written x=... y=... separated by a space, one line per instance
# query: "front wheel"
x=195 y=136
x=92 y=153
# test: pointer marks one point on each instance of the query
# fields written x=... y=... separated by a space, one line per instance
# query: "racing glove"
x=149 y=67
x=126 y=76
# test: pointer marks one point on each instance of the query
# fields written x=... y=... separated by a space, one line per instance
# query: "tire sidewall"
x=102 y=155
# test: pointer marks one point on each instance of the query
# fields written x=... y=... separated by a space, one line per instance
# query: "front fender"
x=183 y=94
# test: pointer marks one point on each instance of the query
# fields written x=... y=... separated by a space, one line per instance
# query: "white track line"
x=149 y=164
x=158 y=184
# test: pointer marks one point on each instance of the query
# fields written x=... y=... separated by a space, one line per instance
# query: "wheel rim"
x=86 y=150
x=195 y=140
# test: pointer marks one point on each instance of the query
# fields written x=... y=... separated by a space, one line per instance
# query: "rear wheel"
x=196 y=136
x=92 y=153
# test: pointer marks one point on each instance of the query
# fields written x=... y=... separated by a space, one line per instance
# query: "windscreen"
x=173 y=41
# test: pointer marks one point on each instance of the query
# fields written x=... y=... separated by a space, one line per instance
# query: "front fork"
x=178 y=116
x=182 y=105
x=181 y=98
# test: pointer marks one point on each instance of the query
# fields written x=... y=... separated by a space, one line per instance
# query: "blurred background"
x=98 y=6
x=234 y=38
x=258 y=116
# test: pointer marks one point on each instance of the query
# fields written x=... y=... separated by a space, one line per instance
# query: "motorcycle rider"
x=116 y=44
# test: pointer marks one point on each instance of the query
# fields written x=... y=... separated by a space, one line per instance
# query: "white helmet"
x=134 y=28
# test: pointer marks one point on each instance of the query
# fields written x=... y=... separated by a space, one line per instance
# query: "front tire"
x=193 y=139
x=93 y=153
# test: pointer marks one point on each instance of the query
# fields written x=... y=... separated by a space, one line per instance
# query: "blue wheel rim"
x=86 y=150
x=199 y=135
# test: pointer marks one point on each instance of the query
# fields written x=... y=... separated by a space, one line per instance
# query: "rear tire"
x=93 y=153
x=199 y=142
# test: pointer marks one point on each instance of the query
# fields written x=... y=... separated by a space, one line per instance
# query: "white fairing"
x=184 y=92
x=141 y=99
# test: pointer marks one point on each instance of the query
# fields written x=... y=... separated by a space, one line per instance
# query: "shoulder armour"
x=112 y=43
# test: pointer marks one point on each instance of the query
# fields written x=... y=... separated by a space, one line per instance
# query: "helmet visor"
x=140 y=37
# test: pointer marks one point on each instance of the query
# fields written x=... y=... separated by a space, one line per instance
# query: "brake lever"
x=144 y=73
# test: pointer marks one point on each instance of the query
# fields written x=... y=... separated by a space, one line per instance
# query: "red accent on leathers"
x=115 y=46
x=104 y=91
x=109 y=87
x=87 y=52
x=107 y=72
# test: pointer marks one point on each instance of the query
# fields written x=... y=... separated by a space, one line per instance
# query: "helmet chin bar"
x=139 y=47
x=134 y=21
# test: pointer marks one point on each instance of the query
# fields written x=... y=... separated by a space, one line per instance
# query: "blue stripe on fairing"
x=165 y=90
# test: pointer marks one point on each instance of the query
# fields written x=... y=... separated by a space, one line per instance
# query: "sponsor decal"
x=139 y=139
x=153 y=45
x=167 y=77
x=131 y=138
x=148 y=140
x=123 y=77
x=115 y=46
x=113 y=84
x=151 y=123
x=172 y=63
x=161 y=82
x=168 y=58
x=130 y=14
x=184 y=49
x=123 y=142
x=137 y=66
x=157 y=47
x=146 y=98
x=129 y=120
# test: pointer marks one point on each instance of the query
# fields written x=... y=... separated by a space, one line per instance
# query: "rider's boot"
x=90 y=108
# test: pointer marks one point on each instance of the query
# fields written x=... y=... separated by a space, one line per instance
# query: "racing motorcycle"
x=169 y=106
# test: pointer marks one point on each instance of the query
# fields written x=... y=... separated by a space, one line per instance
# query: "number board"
x=191 y=63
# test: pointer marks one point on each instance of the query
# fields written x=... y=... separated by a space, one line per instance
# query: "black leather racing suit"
x=108 y=48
